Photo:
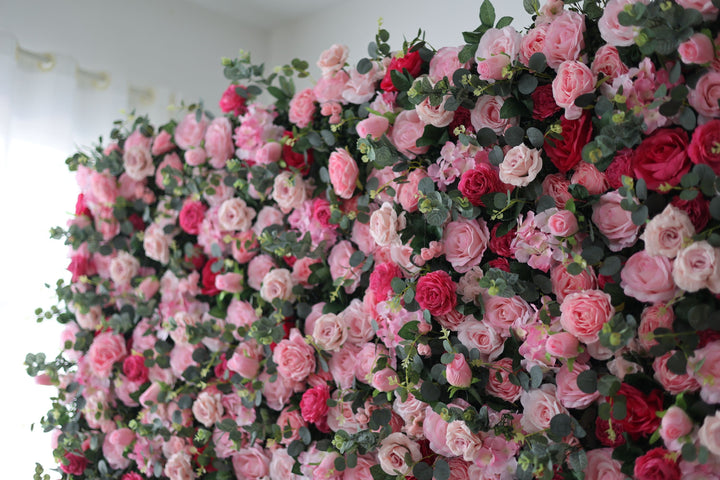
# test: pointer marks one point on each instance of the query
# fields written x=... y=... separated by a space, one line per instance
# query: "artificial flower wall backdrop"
x=492 y=260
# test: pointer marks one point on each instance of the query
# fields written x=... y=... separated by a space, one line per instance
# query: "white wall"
x=356 y=23
x=153 y=43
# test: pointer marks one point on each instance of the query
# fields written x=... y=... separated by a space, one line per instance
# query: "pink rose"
x=252 y=463
x=614 y=222
x=268 y=153
x=704 y=367
x=573 y=80
x=497 y=49
x=556 y=186
x=502 y=387
x=675 y=424
x=697 y=49
x=436 y=116
x=486 y=114
x=654 y=317
x=244 y=246
x=339 y=262
x=709 y=433
x=358 y=319
x=343 y=173
x=672 y=382
x=245 y=360
x=708 y=10
x=313 y=404
x=583 y=314
x=505 y=314
x=458 y=372
x=666 y=233
x=162 y=143
x=195 y=157
x=562 y=345
x=179 y=467
x=385 y=380
x=610 y=29
x=697 y=266
x=648 y=279
x=329 y=88
x=607 y=61
x=406 y=131
x=435 y=431
x=301 y=270
x=393 y=451
x=444 y=63
x=601 y=465
x=465 y=243
x=703 y=147
x=568 y=392
x=333 y=59
x=384 y=225
x=230 y=282
x=587 y=175
x=138 y=161
x=295 y=359
x=408 y=193
x=533 y=42
x=374 y=125
x=540 y=405
x=563 y=223
x=114 y=446
x=520 y=166
x=218 y=141
x=302 y=108
x=563 y=282
x=278 y=283
x=462 y=442
x=156 y=244
x=475 y=334
x=360 y=87
x=330 y=332
x=189 y=132
x=289 y=191
x=281 y=465
x=207 y=407
x=564 y=39
x=703 y=97
x=107 y=348
x=234 y=215
x=163 y=177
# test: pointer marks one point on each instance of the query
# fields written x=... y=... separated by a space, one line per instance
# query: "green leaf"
x=486 y=137
x=532 y=7
x=421 y=470
x=364 y=66
x=536 y=376
x=512 y=107
x=503 y=22
x=357 y=258
x=677 y=363
x=561 y=425
x=514 y=136
x=536 y=137
x=592 y=254
x=441 y=469
x=409 y=330
x=610 y=266
x=640 y=215
x=688 y=452
x=587 y=381
x=537 y=61
x=608 y=385
x=429 y=392
x=487 y=16
x=715 y=208
x=496 y=156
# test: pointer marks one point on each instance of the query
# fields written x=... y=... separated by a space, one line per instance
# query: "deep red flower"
x=544 y=105
x=435 y=292
x=641 y=418
x=603 y=432
x=479 y=181
x=299 y=161
x=657 y=464
x=698 y=209
x=232 y=102
x=410 y=61
x=462 y=117
x=662 y=158
x=208 y=278
x=76 y=464
x=137 y=222
x=134 y=368
x=566 y=152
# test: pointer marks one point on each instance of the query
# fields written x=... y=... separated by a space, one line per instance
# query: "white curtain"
x=48 y=110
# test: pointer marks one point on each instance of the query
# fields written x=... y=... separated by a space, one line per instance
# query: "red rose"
x=705 y=145
x=313 y=405
x=565 y=153
x=436 y=293
x=208 y=278
x=81 y=207
x=134 y=368
x=197 y=258
x=221 y=367
x=698 y=209
x=132 y=476
x=544 y=105
x=481 y=180
x=662 y=158
x=657 y=464
x=641 y=418
x=232 y=102
x=297 y=160
x=191 y=216
x=381 y=279
x=500 y=244
x=621 y=165
x=410 y=61
x=75 y=464
x=500 y=263
x=462 y=117
x=81 y=264
x=707 y=336
x=607 y=436
x=137 y=222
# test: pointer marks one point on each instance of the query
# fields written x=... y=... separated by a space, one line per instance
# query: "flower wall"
x=488 y=261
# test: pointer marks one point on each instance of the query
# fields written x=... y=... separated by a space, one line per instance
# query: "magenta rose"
x=232 y=102
x=704 y=145
x=479 y=181
x=435 y=292
x=343 y=173
x=566 y=152
x=191 y=216
x=662 y=158
x=134 y=368
x=73 y=464
x=656 y=464
x=313 y=405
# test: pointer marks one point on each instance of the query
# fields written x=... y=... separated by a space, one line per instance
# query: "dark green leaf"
x=715 y=208
x=486 y=137
x=610 y=266
x=640 y=215
x=364 y=66
x=496 y=156
x=430 y=392
x=587 y=381
x=536 y=137
x=677 y=363
x=512 y=107
x=503 y=22
x=487 y=17
x=608 y=385
x=532 y=7
x=536 y=376
x=561 y=425
x=514 y=136
x=441 y=469
x=423 y=471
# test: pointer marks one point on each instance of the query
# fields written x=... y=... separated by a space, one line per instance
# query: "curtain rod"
x=100 y=80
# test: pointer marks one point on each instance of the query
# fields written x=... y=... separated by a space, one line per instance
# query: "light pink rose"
x=343 y=173
x=281 y=465
x=162 y=177
x=107 y=348
x=708 y=10
x=384 y=225
x=497 y=49
x=333 y=59
x=218 y=141
x=556 y=186
x=278 y=283
x=462 y=442
x=245 y=360
x=179 y=467
x=444 y=63
x=568 y=392
x=475 y=334
x=195 y=157
x=610 y=29
x=373 y=125
x=601 y=465
x=277 y=393
x=385 y=380
x=234 y=215
x=302 y=108
x=614 y=222
x=330 y=332
x=207 y=407
x=533 y=42
x=229 y=282
x=366 y=360
x=162 y=143
x=563 y=223
x=361 y=471
x=392 y=453
x=138 y=162
x=406 y=131
x=329 y=88
x=587 y=175
x=189 y=132
x=540 y=405
x=607 y=61
x=696 y=267
x=269 y=153
x=408 y=193
x=704 y=366
x=301 y=270
x=295 y=359
x=520 y=166
x=573 y=80
x=240 y=314
x=583 y=314
x=114 y=445
x=104 y=187
x=564 y=39
x=653 y=317
x=502 y=387
x=244 y=246
x=252 y=463
x=666 y=233
x=342 y=365
x=436 y=116
x=465 y=243
x=709 y=433
x=697 y=49
x=289 y=191
x=648 y=279
x=360 y=87
x=486 y=114
x=505 y=314
x=562 y=345
x=458 y=372
x=339 y=263
x=181 y=359
x=703 y=97
x=123 y=267
x=672 y=382
x=359 y=322
x=675 y=424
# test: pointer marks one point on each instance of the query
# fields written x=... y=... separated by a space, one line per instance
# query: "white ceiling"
x=265 y=13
